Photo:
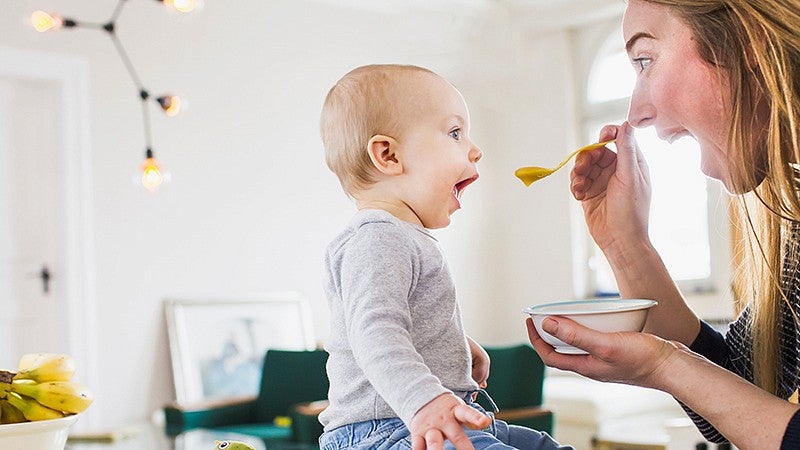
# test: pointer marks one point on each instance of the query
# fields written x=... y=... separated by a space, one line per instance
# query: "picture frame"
x=217 y=346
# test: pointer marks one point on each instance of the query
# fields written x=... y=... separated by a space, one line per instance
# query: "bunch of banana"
x=41 y=389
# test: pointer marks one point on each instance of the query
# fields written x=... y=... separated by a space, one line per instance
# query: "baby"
x=402 y=371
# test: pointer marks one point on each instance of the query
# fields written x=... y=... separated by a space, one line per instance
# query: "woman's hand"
x=614 y=189
x=748 y=416
x=631 y=358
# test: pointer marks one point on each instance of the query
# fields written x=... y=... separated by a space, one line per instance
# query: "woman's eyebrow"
x=636 y=37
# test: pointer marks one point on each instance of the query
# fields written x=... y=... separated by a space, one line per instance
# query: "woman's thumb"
x=626 y=147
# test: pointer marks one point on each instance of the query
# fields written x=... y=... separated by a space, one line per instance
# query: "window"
x=683 y=214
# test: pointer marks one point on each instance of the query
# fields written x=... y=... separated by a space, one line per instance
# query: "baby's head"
x=369 y=100
x=397 y=137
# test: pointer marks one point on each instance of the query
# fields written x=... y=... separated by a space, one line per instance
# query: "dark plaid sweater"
x=734 y=351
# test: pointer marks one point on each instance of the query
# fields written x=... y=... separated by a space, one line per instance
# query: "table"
x=658 y=431
x=151 y=437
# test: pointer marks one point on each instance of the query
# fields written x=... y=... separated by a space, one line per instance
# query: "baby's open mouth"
x=458 y=189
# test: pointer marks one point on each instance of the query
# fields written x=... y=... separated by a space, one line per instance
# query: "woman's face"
x=676 y=91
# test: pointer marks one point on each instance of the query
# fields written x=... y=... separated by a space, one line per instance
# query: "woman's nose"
x=641 y=111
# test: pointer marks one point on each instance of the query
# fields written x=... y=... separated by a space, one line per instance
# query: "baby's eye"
x=455 y=134
x=641 y=63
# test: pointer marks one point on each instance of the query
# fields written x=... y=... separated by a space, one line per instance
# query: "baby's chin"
x=437 y=223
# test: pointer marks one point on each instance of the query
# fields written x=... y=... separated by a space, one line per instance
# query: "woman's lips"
x=673 y=135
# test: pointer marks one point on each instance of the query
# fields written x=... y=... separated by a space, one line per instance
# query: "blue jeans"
x=392 y=434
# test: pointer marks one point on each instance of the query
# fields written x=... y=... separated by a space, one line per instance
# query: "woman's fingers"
x=592 y=171
x=608 y=133
x=601 y=362
x=542 y=348
x=625 y=357
x=571 y=362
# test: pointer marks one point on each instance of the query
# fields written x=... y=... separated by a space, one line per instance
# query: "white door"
x=45 y=211
x=29 y=276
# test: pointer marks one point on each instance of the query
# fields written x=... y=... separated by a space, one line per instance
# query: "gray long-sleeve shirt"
x=396 y=339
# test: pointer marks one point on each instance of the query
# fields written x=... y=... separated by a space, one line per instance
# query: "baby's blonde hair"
x=360 y=105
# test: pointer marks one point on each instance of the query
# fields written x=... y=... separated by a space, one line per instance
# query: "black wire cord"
x=110 y=28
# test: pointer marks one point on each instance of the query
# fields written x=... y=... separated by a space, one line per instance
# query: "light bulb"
x=184 y=6
x=152 y=177
x=171 y=104
x=43 y=21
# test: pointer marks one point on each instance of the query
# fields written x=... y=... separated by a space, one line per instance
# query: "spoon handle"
x=566 y=160
x=582 y=149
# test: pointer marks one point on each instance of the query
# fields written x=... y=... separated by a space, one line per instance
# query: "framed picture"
x=218 y=346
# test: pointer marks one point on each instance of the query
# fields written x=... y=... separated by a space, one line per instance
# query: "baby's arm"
x=443 y=418
x=480 y=363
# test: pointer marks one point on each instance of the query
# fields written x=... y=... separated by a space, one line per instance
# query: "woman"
x=727 y=73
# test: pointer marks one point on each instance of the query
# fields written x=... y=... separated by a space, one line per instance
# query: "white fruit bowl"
x=606 y=315
x=39 y=435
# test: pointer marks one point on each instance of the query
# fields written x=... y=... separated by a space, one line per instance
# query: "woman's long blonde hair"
x=756 y=46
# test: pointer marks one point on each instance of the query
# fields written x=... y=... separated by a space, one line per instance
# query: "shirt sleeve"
x=719 y=349
x=379 y=271
x=791 y=439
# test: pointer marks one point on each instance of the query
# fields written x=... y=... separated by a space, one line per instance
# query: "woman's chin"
x=739 y=188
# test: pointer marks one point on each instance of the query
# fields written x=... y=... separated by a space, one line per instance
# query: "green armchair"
x=289 y=378
x=516 y=379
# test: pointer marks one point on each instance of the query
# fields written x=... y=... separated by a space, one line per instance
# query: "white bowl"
x=38 y=435
x=606 y=315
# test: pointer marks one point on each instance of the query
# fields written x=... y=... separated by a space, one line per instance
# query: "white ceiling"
x=548 y=13
x=400 y=5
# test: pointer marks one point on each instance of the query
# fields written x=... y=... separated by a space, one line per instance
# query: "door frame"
x=75 y=239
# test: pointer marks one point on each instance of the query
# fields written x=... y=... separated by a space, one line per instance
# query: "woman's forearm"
x=748 y=416
x=640 y=273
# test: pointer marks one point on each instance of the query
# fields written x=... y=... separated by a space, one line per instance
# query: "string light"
x=152 y=175
x=171 y=104
x=184 y=6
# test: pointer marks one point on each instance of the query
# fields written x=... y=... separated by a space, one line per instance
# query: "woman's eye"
x=456 y=134
x=641 y=63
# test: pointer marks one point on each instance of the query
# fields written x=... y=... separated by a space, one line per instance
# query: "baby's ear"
x=382 y=152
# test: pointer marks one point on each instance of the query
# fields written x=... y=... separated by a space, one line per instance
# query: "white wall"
x=252 y=205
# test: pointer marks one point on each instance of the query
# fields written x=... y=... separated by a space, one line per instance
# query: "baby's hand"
x=443 y=418
x=480 y=363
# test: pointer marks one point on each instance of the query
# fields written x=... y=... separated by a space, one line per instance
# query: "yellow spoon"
x=530 y=174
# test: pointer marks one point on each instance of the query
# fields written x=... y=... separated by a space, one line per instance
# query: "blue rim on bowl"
x=598 y=306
